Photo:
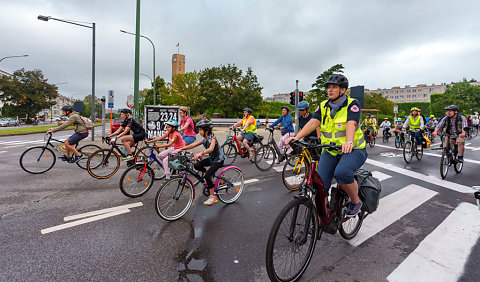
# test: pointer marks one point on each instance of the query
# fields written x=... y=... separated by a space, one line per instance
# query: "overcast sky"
x=381 y=43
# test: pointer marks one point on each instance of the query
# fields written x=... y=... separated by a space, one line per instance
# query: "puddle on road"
x=193 y=267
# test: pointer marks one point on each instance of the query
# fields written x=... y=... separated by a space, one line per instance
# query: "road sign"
x=110 y=99
x=155 y=119
x=130 y=101
x=395 y=109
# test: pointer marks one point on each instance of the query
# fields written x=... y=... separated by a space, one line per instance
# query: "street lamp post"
x=154 y=80
x=46 y=18
x=12 y=57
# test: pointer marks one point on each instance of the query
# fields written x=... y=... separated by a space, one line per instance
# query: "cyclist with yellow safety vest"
x=249 y=127
x=415 y=122
x=370 y=126
x=338 y=119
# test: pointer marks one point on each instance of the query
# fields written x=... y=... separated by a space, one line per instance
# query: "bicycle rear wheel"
x=444 y=164
x=136 y=180
x=230 y=153
x=103 y=164
x=292 y=241
x=384 y=138
x=265 y=158
x=230 y=185
x=37 y=160
x=407 y=151
x=255 y=148
x=86 y=151
x=173 y=200
x=351 y=225
x=295 y=175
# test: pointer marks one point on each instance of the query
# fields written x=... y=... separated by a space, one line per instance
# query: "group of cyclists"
x=336 y=120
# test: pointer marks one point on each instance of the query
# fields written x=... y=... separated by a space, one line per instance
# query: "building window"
x=424 y=95
x=179 y=63
x=414 y=96
x=174 y=59
x=179 y=68
x=408 y=91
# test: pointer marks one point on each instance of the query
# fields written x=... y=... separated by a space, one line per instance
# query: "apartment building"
x=283 y=97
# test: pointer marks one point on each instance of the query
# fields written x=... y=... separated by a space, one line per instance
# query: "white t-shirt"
x=385 y=124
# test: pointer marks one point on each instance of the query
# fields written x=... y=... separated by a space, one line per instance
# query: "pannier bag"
x=426 y=142
x=369 y=189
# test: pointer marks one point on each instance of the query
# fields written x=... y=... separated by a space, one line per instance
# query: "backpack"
x=194 y=125
x=88 y=123
x=369 y=190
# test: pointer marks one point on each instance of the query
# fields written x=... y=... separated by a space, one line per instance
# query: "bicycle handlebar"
x=310 y=145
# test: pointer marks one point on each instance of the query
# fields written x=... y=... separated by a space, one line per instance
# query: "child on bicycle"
x=215 y=156
x=174 y=138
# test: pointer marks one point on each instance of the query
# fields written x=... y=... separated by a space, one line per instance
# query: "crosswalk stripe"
x=392 y=208
x=380 y=175
x=444 y=183
x=442 y=255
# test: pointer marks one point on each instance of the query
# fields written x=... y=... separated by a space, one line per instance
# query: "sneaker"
x=65 y=158
x=210 y=201
x=460 y=159
x=128 y=158
x=354 y=208
x=76 y=159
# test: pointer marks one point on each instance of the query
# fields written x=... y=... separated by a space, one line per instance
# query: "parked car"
x=4 y=122
x=13 y=121
x=116 y=124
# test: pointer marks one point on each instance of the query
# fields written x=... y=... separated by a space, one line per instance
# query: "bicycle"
x=296 y=229
x=104 y=163
x=410 y=149
x=175 y=196
x=296 y=169
x=139 y=178
x=267 y=153
x=40 y=159
x=449 y=157
x=367 y=137
x=471 y=133
x=232 y=147
x=386 y=136
x=399 y=138
x=476 y=194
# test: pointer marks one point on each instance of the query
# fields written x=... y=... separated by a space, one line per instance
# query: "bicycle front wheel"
x=295 y=172
x=86 y=151
x=458 y=167
x=136 y=180
x=174 y=199
x=292 y=241
x=397 y=142
x=419 y=153
x=265 y=158
x=407 y=151
x=103 y=163
x=444 y=164
x=143 y=155
x=37 y=160
x=230 y=153
x=230 y=185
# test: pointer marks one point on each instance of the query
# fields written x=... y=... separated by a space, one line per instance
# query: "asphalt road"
x=412 y=234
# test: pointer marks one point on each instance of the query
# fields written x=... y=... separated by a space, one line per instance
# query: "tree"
x=186 y=92
x=379 y=102
x=163 y=91
x=27 y=92
x=228 y=91
x=319 y=93
x=87 y=106
x=464 y=95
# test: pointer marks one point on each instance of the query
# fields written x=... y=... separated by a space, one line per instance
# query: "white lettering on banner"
x=156 y=118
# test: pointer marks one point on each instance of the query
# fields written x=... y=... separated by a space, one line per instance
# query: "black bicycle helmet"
x=126 y=111
x=67 y=108
x=337 y=79
x=286 y=108
x=204 y=123
x=248 y=110
x=451 y=108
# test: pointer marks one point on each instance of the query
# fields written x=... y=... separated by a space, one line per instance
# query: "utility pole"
x=296 y=107
x=137 y=62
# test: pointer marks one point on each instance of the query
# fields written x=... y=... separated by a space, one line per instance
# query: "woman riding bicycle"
x=187 y=126
x=215 y=156
x=174 y=138
x=286 y=128
x=416 y=124
x=338 y=119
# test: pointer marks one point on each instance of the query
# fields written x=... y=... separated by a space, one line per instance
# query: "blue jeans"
x=189 y=139
x=343 y=169
x=417 y=135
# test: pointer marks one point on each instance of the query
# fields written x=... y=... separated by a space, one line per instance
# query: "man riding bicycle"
x=81 y=132
x=338 y=119
x=415 y=121
x=453 y=125
x=249 y=127
x=386 y=127
x=129 y=124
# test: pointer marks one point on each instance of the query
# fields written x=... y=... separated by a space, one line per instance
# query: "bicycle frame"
x=54 y=147
x=271 y=142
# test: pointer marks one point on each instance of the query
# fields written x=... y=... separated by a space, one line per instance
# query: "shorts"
x=188 y=139
x=249 y=136
x=452 y=141
x=76 y=137
x=138 y=137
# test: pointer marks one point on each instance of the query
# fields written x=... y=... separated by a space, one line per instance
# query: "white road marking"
x=102 y=211
x=246 y=181
x=442 y=255
x=390 y=209
x=381 y=176
x=3 y=151
x=444 y=183
x=278 y=168
x=83 y=221
x=14 y=146
x=20 y=142
x=429 y=154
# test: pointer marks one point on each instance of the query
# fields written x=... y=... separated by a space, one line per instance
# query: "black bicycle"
x=386 y=135
x=410 y=149
x=40 y=159
x=367 y=137
x=449 y=157
x=267 y=154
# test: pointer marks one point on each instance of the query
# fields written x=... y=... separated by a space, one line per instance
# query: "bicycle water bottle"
x=124 y=151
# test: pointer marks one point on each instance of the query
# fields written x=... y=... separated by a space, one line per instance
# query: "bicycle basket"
x=175 y=164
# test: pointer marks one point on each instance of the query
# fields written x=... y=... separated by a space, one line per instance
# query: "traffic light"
x=292 y=98
x=300 y=96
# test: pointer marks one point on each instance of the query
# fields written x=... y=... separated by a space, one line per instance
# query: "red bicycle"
x=232 y=147
x=296 y=229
